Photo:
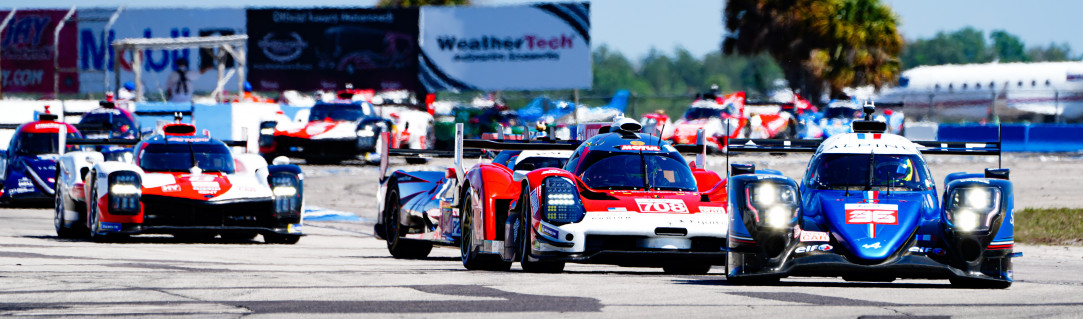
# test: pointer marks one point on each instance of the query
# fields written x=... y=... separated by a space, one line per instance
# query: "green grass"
x=1049 y=226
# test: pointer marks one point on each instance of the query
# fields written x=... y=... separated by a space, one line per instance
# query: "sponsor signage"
x=96 y=55
x=27 y=48
x=533 y=47
x=309 y=49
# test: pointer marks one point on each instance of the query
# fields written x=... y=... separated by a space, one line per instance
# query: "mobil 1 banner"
x=530 y=47
x=97 y=56
x=324 y=49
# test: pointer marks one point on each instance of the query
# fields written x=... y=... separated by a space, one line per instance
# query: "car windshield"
x=40 y=143
x=851 y=172
x=636 y=171
x=111 y=122
x=696 y=113
x=179 y=157
x=339 y=112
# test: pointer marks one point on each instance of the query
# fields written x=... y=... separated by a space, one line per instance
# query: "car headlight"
x=972 y=208
x=287 y=195
x=773 y=205
x=125 y=189
x=561 y=203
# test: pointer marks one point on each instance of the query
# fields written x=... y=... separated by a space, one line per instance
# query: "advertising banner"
x=27 y=48
x=534 y=47
x=308 y=49
x=96 y=55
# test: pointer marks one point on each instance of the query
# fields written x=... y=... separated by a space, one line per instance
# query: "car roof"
x=868 y=143
x=46 y=127
x=627 y=142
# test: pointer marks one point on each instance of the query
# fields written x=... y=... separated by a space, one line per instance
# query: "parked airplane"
x=1041 y=91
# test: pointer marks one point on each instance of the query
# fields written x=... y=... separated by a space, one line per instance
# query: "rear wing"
x=471 y=148
x=810 y=146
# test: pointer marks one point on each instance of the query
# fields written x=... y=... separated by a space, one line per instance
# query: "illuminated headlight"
x=560 y=199
x=267 y=131
x=772 y=204
x=287 y=194
x=125 y=189
x=561 y=205
x=285 y=191
x=972 y=208
x=366 y=132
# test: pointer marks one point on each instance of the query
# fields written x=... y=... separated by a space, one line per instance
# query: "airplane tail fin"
x=619 y=101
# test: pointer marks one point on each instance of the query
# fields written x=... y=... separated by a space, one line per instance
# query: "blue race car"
x=868 y=210
x=28 y=165
x=111 y=122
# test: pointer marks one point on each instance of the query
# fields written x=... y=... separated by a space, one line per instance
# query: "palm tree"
x=818 y=43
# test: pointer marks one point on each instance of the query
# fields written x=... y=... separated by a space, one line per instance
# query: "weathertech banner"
x=27 y=46
x=531 y=47
x=310 y=49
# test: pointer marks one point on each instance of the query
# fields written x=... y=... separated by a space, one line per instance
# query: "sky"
x=634 y=27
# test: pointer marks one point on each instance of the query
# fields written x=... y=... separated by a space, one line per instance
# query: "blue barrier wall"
x=1019 y=137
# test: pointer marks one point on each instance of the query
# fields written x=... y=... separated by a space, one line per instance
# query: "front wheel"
x=63 y=230
x=525 y=242
x=472 y=259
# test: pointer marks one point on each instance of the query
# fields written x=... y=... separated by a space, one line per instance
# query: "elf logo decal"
x=872 y=214
x=651 y=205
x=809 y=249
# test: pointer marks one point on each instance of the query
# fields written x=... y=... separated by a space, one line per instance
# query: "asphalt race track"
x=339 y=269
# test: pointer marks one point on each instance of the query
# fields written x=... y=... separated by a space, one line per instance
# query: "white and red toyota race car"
x=181 y=183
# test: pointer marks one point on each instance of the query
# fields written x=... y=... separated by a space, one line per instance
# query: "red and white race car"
x=733 y=116
x=181 y=183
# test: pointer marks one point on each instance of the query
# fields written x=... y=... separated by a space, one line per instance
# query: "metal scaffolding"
x=228 y=46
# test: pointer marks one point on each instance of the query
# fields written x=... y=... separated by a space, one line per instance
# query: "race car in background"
x=420 y=209
x=28 y=165
x=110 y=122
x=733 y=116
x=414 y=123
x=868 y=210
x=341 y=130
x=838 y=116
x=623 y=198
x=181 y=183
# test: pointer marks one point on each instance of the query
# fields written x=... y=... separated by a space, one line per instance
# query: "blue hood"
x=870 y=224
x=31 y=174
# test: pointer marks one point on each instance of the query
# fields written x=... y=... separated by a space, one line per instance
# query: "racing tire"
x=396 y=244
x=687 y=269
x=58 y=216
x=276 y=238
x=528 y=265
x=95 y=233
x=472 y=259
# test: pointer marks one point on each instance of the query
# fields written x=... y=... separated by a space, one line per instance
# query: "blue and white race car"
x=867 y=209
